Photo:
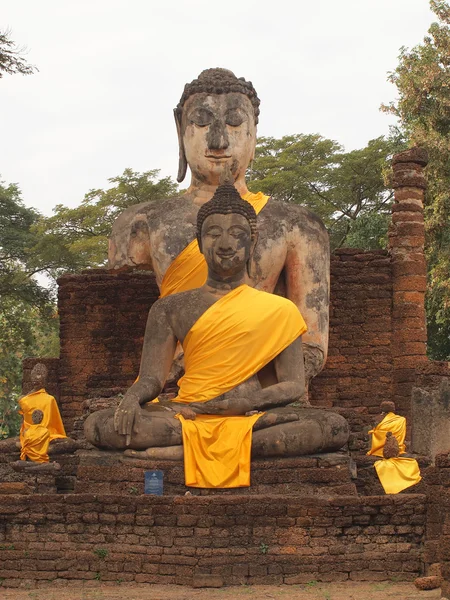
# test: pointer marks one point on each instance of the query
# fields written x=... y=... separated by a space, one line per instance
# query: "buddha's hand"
x=187 y=413
x=126 y=417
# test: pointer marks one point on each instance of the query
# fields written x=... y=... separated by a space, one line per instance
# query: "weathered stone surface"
x=415 y=155
x=242 y=540
x=14 y=488
x=205 y=580
x=319 y=475
x=428 y=583
x=431 y=419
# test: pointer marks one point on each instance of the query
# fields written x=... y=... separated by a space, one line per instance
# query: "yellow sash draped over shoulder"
x=52 y=421
x=237 y=336
x=229 y=343
x=35 y=441
x=395 y=474
x=189 y=270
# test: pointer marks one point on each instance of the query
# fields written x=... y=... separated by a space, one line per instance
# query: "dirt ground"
x=310 y=591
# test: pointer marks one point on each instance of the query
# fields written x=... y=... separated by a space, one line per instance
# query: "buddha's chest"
x=174 y=229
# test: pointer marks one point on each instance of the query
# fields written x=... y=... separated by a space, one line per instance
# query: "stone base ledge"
x=317 y=475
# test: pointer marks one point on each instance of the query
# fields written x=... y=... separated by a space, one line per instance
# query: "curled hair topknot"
x=220 y=81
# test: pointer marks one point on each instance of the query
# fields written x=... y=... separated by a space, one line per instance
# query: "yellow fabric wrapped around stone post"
x=189 y=270
x=395 y=474
x=228 y=344
x=393 y=423
x=52 y=421
x=35 y=440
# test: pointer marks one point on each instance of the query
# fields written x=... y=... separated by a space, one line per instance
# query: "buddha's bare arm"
x=157 y=354
x=290 y=387
x=307 y=272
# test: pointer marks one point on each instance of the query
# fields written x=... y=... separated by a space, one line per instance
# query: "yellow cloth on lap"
x=35 y=441
x=217 y=451
x=397 y=474
x=189 y=270
x=228 y=344
x=52 y=421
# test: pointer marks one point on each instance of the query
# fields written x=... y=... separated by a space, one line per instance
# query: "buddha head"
x=38 y=376
x=226 y=232
x=216 y=122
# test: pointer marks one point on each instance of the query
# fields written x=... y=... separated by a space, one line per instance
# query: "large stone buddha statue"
x=229 y=332
x=216 y=121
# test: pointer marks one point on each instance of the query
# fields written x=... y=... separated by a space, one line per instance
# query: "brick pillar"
x=406 y=246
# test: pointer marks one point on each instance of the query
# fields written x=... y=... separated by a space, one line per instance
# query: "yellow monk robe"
x=391 y=422
x=395 y=474
x=228 y=344
x=40 y=400
x=189 y=270
x=35 y=441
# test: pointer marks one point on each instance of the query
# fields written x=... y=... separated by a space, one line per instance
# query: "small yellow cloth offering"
x=395 y=474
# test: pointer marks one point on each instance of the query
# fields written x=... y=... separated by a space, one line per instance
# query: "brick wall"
x=358 y=374
x=103 y=317
x=255 y=540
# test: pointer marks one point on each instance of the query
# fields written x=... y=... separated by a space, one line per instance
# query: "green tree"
x=77 y=238
x=12 y=57
x=28 y=322
x=423 y=108
x=348 y=190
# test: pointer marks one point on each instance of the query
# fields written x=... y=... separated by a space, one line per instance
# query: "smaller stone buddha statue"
x=223 y=413
x=395 y=471
x=39 y=399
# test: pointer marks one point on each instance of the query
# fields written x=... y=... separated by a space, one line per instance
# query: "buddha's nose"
x=225 y=243
x=217 y=136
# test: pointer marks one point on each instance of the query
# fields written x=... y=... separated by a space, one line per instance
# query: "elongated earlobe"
x=182 y=162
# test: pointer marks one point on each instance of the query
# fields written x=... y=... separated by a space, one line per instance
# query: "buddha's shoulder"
x=155 y=210
x=181 y=302
x=291 y=215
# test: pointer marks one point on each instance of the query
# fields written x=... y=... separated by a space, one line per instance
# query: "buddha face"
x=226 y=243
x=218 y=130
x=38 y=375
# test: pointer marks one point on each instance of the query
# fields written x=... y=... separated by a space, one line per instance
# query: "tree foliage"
x=28 y=321
x=422 y=78
x=348 y=190
x=12 y=58
x=77 y=238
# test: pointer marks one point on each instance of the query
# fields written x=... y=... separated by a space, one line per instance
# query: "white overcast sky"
x=111 y=71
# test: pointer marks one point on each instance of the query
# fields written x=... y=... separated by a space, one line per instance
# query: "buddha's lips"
x=218 y=156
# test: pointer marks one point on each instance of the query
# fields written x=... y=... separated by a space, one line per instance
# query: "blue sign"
x=154 y=483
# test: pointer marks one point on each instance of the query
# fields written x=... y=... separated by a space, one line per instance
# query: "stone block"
x=207 y=580
x=431 y=420
x=428 y=583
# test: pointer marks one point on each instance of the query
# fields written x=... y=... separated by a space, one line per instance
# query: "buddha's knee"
x=97 y=425
x=316 y=431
